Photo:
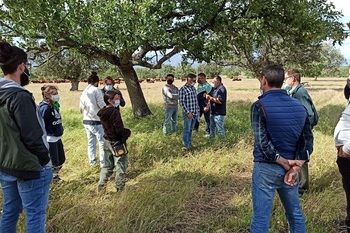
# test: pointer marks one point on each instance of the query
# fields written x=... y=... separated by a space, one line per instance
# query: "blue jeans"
x=94 y=132
x=187 y=132
x=267 y=179
x=170 y=117
x=217 y=122
x=32 y=195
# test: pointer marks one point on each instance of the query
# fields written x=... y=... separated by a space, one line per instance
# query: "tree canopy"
x=146 y=33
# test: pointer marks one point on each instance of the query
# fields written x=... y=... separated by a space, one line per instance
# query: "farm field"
x=208 y=191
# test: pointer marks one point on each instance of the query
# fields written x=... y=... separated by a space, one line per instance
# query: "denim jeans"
x=207 y=121
x=217 y=122
x=187 y=132
x=119 y=163
x=170 y=117
x=32 y=195
x=266 y=180
x=94 y=132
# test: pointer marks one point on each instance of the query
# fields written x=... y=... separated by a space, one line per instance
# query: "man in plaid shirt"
x=190 y=110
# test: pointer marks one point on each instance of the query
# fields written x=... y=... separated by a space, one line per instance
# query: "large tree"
x=148 y=32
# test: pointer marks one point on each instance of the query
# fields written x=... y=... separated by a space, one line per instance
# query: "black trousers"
x=344 y=169
x=57 y=154
x=207 y=120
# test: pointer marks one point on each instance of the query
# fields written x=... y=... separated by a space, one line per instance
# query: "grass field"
x=208 y=191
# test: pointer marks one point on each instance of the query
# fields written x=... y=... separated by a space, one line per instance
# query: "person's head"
x=50 y=93
x=109 y=83
x=216 y=81
x=93 y=79
x=170 y=79
x=202 y=78
x=272 y=77
x=112 y=98
x=13 y=63
x=191 y=79
x=292 y=77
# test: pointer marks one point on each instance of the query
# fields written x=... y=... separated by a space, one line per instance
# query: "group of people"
x=103 y=123
x=208 y=100
x=31 y=150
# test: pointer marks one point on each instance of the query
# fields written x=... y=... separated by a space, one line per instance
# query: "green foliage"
x=327 y=64
x=211 y=69
x=183 y=69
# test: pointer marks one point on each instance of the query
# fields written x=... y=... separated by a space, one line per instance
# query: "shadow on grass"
x=206 y=204
x=329 y=117
x=149 y=145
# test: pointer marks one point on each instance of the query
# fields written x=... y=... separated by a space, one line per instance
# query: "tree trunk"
x=138 y=101
x=74 y=85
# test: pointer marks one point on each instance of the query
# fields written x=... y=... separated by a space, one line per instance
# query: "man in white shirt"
x=91 y=101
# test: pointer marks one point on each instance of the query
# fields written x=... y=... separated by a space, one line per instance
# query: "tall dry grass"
x=208 y=191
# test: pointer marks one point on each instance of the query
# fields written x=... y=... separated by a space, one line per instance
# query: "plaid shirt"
x=188 y=100
x=262 y=140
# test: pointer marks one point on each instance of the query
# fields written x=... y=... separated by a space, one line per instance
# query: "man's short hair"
x=274 y=74
x=202 y=75
x=170 y=75
x=295 y=73
x=218 y=78
x=191 y=76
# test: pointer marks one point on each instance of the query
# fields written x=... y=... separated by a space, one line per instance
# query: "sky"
x=344 y=7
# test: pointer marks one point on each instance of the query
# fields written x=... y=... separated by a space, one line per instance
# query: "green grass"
x=208 y=191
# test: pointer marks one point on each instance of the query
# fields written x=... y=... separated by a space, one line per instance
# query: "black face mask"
x=25 y=77
x=170 y=81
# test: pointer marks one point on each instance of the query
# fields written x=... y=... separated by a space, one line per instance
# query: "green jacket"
x=23 y=146
x=300 y=93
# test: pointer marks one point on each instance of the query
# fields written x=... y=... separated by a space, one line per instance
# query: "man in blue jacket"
x=283 y=141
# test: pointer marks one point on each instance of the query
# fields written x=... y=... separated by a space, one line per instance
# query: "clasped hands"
x=293 y=168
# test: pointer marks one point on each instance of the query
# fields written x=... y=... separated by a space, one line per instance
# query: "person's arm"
x=306 y=142
x=26 y=116
x=119 y=126
x=167 y=93
x=183 y=104
x=45 y=111
x=261 y=138
x=122 y=101
x=219 y=99
x=99 y=99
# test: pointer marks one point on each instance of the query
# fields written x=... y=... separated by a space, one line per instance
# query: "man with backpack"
x=295 y=89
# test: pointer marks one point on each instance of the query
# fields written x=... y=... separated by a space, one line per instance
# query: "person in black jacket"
x=347 y=88
x=114 y=132
x=25 y=165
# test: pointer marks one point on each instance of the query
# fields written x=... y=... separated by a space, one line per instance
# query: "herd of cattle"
x=116 y=81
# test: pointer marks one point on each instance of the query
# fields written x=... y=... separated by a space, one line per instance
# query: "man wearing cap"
x=190 y=110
